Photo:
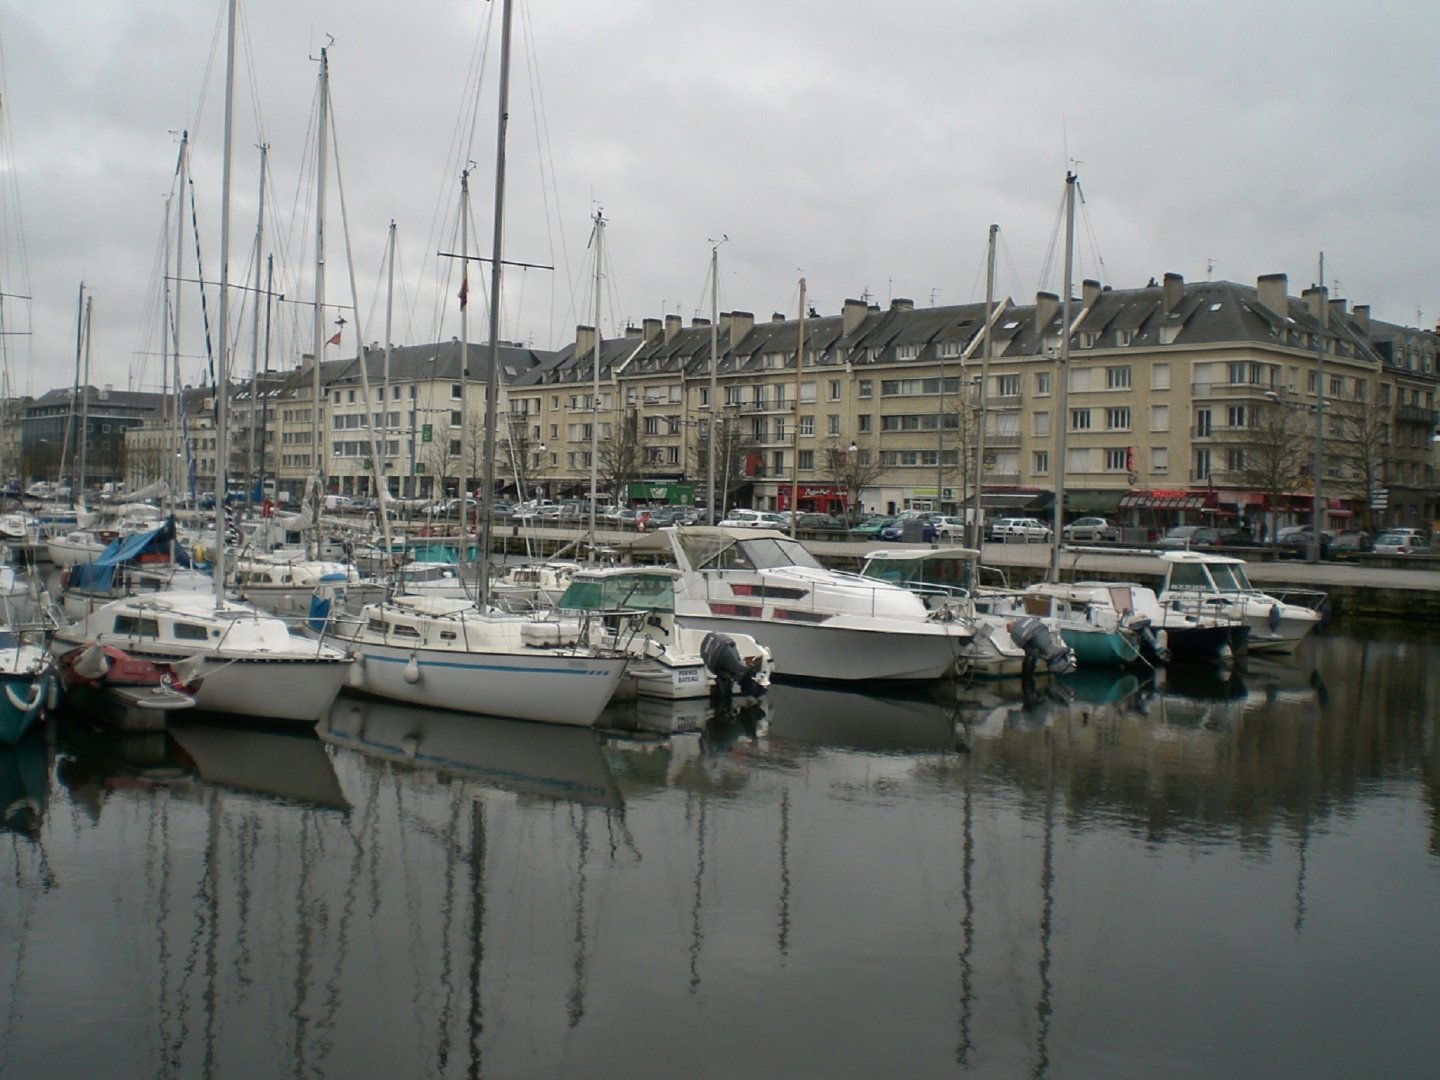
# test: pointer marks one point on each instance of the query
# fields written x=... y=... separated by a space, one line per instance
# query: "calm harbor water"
x=1198 y=874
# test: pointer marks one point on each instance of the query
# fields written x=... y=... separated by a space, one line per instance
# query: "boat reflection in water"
x=551 y=760
x=286 y=765
x=24 y=784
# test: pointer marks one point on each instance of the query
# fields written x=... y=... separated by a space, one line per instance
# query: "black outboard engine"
x=1150 y=646
x=722 y=658
x=1032 y=635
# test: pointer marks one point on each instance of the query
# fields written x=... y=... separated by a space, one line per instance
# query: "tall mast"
x=710 y=518
x=1319 y=467
x=317 y=435
x=977 y=519
x=1063 y=377
x=222 y=361
x=78 y=495
x=595 y=383
x=75 y=389
x=174 y=450
x=462 y=482
x=492 y=380
x=385 y=375
x=255 y=336
x=795 y=435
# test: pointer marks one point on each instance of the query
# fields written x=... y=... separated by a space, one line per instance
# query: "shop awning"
x=1096 y=501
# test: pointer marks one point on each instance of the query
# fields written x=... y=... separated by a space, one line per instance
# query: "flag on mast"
x=464 y=287
x=335 y=340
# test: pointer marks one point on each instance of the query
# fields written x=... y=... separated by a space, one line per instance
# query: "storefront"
x=820 y=498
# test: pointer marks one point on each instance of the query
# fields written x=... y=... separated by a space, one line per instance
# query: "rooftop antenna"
x=1209 y=268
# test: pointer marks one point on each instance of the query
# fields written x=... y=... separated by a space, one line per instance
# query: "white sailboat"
x=454 y=654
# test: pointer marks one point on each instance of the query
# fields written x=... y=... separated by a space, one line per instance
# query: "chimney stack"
x=584 y=341
x=651 y=329
x=1047 y=305
x=1362 y=317
x=902 y=303
x=1089 y=291
x=736 y=324
x=1173 y=291
x=852 y=315
x=673 y=323
x=1314 y=299
x=1273 y=292
x=777 y=316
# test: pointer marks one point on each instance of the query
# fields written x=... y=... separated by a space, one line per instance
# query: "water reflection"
x=996 y=879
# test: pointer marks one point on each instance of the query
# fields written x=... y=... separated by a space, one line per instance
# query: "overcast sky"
x=864 y=146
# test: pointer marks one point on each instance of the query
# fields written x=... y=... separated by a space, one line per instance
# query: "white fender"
x=412 y=670
x=37 y=691
x=356 y=675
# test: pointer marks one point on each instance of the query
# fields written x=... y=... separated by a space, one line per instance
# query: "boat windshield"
x=713 y=551
x=773 y=553
x=1230 y=577
x=948 y=574
x=630 y=592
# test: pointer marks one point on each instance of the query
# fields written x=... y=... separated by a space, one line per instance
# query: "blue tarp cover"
x=99 y=574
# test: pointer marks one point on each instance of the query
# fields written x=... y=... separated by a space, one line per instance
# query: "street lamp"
x=850 y=480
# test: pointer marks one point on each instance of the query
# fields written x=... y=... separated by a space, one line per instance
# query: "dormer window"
x=1124 y=337
x=1088 y=339
x=906 y=352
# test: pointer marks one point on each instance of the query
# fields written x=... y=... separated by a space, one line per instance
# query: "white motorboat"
x=448 y=654
x=631 y=609
x=1203 y=581
x=820 y=623
x=1004 y=645
x=532 y=586
x=246 y=661
x=284 y=584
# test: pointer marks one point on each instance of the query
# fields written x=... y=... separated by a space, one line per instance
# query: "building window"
x=1115 y=459
x=454 y=447
x=1159 y=417
x=807 y=459
x=1079 y=419
x=1235 y=459
x=1160 y=377
x=455 y=391
x=1040 y=425
x=1008 y=386
x=777 y=462
x=1235 y=416
x=1117 y=378
x=807 y=425
x=1042 y=383
x=867 y=388
x=1118 y=419
x=834 y=389
x=832 y=424
x=455 y=418
x=862 y=423
x=1202 y=423
x=1160 y=459
x=1040 y=462
x=906 y=352
x=1202 y=464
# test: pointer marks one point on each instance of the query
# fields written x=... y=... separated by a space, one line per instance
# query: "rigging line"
x=215 y=39
x=545 y=152
x=200 y=275
x=1050 y=252
x=1102 y=273
x=1011 y=266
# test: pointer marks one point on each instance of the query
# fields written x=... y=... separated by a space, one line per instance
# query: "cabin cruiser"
x=1004 y=645
x=822 y=624
x=283 y=583
x=247 y=662
x=633 y=611
x=448 y=654
x=1197 y=580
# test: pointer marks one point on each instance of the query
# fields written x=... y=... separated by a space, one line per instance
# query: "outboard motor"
x=722 y=658
x=1150 y=645
x=1032 y=635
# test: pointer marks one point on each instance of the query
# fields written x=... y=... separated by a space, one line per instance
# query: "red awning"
x=1154 y=500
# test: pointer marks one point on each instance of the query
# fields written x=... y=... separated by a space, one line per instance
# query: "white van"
x=755 y=519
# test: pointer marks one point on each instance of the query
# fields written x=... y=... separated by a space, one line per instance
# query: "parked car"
x=1191 y=536
x=906 y=524
x=1351 y=542
x=816 y=522
x=1401 y=543
x=1089 y=530
x=1025 y=530
x=1299 y=539
x=870 y=526
x=948 y=528
x=755 y=519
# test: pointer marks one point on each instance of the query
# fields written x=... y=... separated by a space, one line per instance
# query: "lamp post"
x=850 y=480
x=1319 y=509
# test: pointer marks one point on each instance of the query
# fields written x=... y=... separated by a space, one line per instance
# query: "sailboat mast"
x=385 y=374
x=1062 y=418
x=977 y=517
x=795 y=434
x=492 y=380
x=174 y=451
x=595 y=384
x=222 y=357
x=463 y=481
x=75 y=389
x=255 y=334
x=78 y=495
x=710 y=518
x=318 y=328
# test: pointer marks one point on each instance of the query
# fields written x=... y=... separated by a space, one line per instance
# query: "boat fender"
x=356 y=675
x=1274 y=619
x=722 y=658
x=20 y=704
x=412 y=670
x=1032 y=635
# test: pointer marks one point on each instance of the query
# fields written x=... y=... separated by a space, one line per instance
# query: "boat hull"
x=552 y=688
x=845 y=653
x=22 y=703
x=1095 y=647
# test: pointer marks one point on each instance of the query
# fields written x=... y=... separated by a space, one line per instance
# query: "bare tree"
x=1275 y=451
x=1358 y=442
x=733 y=447
x=852 y=469
x=621 y=455
x=962 y=431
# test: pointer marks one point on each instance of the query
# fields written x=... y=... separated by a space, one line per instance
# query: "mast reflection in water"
x=1195 y=872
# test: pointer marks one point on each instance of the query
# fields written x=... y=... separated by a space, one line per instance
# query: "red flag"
x=334 y=340
x=464 y=288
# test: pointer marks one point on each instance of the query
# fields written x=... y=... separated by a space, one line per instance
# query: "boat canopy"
x=638 y=590
x=948 y=572
x=743 y=549
x=99 y=573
